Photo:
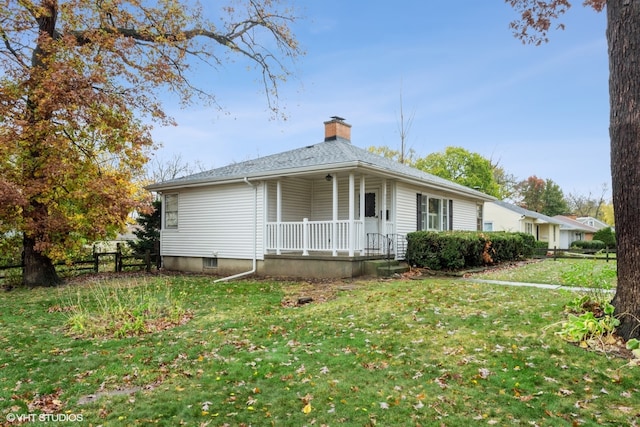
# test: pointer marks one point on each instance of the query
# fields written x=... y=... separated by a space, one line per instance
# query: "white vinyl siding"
x=406 y=220
x=216 y=222
x=296 y=200
x=464 y=211
x=465 y=215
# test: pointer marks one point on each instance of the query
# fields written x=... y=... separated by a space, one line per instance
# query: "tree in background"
x=463 y=167
x=148 y=231
x=607 y=236
x=623 y=33
x=554 y=201
x=408 y=157
x=608 y=214
x=75 y=76
x=159 y=170
x=588 y=205
x=530 y=193
x=507 y=182
x=543 y=196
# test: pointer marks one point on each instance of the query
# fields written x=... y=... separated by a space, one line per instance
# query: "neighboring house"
x=572 y=230
x=316 y=211
x=593 y=222
x=503 y=216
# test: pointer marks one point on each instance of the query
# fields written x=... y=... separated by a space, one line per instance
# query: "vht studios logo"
x=43 y=418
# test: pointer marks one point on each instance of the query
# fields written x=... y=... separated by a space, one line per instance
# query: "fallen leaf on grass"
x=484 y=373
x=565 y=392
x=48 y=403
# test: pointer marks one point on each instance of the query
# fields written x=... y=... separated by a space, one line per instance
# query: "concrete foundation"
x=286 y=266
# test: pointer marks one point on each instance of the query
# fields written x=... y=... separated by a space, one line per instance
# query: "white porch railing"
x=308 y=236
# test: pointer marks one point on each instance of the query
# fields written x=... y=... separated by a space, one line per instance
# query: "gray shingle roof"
x=326 y=155
x=572 y=224
x=527 y=212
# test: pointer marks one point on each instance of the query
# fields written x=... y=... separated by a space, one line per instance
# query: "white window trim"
x=167 y=212
x=442 y=216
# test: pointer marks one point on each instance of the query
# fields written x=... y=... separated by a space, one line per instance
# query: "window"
x=369 y=205
x=488 y=226
x=210 y=262
x=480 y=216
x=434 y=214
x=171 y=211
x=528 y=228
x=435 y=207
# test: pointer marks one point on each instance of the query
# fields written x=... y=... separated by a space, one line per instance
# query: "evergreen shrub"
x=453 y=250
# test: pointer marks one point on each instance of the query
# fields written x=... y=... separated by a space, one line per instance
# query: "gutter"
x=255 y=237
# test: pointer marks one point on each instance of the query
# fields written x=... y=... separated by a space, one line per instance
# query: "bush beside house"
x=589 y=246
x=458 y=249
x=607 y=236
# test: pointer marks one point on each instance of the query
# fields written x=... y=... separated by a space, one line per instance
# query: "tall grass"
x=123 y=308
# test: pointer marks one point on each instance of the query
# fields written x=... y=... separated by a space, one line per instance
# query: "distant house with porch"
x=316 y=211
x=593 y=222
x=503 y=216
x=572 y=230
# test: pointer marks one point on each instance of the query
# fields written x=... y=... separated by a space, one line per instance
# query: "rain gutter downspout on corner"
x=255 y=237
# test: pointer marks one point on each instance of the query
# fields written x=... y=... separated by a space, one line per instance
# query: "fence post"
x=156 y=249
x=147 y=260
x=555 y=253
x=118 y=259
x=96 y=260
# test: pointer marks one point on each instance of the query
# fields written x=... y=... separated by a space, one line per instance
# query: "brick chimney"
x=337 y=128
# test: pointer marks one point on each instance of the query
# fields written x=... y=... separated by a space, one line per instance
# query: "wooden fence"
x=115 y=261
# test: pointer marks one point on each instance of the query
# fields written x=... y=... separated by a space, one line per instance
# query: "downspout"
x=255 y=237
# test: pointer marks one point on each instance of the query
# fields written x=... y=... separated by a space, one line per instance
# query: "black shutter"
x=419 y=211
x=450 y=214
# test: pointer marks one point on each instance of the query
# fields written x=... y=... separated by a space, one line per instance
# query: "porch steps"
x=385 y=268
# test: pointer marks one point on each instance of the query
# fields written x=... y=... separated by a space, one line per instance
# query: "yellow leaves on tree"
x=76 y=77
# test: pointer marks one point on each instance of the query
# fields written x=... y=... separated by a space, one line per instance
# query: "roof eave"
x=324 y=168
x=174 y=185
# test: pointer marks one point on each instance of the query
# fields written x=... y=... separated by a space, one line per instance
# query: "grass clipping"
x=119 y=309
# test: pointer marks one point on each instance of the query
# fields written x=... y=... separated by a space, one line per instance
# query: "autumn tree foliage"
x=463 y=167
x=623 y=35
x=78 y=84
x=542 y=195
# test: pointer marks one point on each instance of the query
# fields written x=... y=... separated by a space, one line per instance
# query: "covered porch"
x=332 y=214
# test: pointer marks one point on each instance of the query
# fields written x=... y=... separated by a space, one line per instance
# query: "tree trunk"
x=623 y=35
x=38 y=270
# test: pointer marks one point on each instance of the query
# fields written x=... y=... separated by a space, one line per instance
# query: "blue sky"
x=462 y=75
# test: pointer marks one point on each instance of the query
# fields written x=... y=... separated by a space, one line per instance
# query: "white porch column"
x=279 y=218
x=335 y=216
x=384 y=207
x=352 y=210
x=363 y=232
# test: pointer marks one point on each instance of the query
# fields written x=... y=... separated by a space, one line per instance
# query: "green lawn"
x=390 y=353
x=566 y=272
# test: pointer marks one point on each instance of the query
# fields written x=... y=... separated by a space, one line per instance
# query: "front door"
x=371 y=218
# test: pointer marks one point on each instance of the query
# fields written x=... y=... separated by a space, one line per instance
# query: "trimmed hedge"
x=452 y=250
x=589 y=245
